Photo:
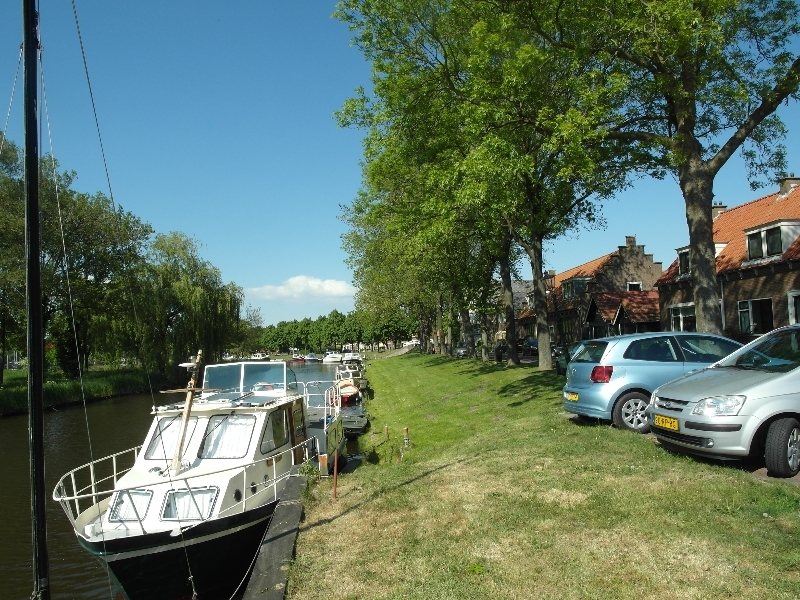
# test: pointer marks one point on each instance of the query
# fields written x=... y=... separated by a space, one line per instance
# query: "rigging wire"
x=11 y=101
x=70 y=300
x=114 y=207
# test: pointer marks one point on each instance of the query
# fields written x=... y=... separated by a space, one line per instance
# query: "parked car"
x=462 y=352
x=530 y=346
x=746 y=404
x=612 y=378
x=564 y=355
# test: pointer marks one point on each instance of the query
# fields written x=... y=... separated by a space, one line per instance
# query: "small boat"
x=332 y=358
x=348 y=391
x=312 y=358
x=184 y=514
x=352 y=358
x=354 y=373
x=355 y=421
x=298 y=357
x=259 y=356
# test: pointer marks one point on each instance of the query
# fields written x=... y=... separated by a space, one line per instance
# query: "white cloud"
x=303 y=287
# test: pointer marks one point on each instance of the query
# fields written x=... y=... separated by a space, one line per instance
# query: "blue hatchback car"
x=612 y=378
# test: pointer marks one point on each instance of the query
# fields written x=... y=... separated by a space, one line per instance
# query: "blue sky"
x=217 y=121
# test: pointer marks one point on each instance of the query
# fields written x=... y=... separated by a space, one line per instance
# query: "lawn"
x=502 y=495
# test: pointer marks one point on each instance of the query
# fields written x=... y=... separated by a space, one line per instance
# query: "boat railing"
x=322 y=396
x=96 y=478
x=71 y=491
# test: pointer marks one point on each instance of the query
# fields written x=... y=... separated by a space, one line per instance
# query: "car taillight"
x=601 y=374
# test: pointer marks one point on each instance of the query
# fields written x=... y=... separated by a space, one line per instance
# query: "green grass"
x=502 y=495
x=61 y=390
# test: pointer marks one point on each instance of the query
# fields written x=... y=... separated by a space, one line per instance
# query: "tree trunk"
x=534 y=251
x=508 y=302
x=437 y=338
x=467 y=337
x=697 y=182
x=485 y=337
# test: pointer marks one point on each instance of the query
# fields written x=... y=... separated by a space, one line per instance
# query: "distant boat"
x=259 y=356
x=311 y=357
x=332 y=358
x=298 y=357
x=352 y=357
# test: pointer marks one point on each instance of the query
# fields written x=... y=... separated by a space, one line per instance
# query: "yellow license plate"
x=572 y=396
x=665 y=422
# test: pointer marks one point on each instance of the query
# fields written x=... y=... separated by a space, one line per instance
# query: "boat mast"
x=187 y=411
x=41 y=567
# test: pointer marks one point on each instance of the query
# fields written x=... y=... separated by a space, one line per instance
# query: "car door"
x=652 y=361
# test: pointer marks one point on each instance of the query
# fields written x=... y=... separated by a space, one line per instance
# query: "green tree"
x=683 y=85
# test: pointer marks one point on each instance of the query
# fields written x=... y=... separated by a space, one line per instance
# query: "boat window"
x=223 y=377
x=299 y=423
x=183 y=505
x=126 y=501
x=276 y=433
x=165 y=439
x=227 y=436
x=272 y=373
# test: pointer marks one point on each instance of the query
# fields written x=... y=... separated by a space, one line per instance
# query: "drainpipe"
x=722 y=301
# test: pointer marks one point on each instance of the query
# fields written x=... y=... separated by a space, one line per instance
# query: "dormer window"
x=574 y=287
x=764 y=243
x=683 y=262
x=634 y=286
x=771 y=239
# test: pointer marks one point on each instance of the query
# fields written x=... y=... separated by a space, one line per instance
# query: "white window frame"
x=794 y=319
x=749 y=302
x=630 y=283
x=688 y=262
x=680 y=305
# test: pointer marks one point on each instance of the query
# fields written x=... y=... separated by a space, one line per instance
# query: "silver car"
x=612 y=378
x=746 y=404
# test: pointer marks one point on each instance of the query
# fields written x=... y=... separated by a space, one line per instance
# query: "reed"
x=59 y=390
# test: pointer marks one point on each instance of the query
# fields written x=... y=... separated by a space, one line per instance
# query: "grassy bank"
x=501 y=495
x=60 y=390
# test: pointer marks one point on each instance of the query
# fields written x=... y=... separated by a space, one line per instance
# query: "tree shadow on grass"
x=383 y=489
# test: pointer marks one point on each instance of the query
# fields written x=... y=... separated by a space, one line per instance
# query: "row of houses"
x=627 y=291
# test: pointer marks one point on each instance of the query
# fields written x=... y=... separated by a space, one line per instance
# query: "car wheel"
x=629 y=412
x=782 y=452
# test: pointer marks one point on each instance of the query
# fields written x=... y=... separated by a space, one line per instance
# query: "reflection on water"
x=115 y=424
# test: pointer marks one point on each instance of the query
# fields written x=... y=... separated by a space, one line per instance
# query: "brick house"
x=618 y=313
x=627 y=269
x=757 y=264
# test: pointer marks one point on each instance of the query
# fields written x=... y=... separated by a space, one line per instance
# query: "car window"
x=657 y=349
x=702 y=349
x=591 y=352
x=778 y=351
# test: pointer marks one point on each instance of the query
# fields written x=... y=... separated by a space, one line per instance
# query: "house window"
x=634 y=286
x=683 y=262
x=682 y=318
x=569 y=290
x=764 y=243
x=794 y=307
x=755 y=316
x=774 y=245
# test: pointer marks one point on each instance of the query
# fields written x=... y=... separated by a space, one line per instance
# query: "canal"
x=115 y=424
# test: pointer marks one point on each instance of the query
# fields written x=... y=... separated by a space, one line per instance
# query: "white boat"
x=259 y=356
x=332 y=358
x=352 y=357
x=312 y=358
x=352 y=372
x=183 y=515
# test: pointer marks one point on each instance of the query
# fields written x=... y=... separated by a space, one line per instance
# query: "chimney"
x=716 y=209
x=788 y=183
x=630 y=241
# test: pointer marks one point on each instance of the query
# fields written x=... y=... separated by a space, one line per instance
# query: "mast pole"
x=41 y=566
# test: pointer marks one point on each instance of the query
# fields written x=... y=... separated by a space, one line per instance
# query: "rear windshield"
x=591 y=352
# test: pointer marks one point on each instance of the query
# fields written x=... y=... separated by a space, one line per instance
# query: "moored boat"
x=332 y=358
x=184 y=514
x=312 y=358
x=298 y=358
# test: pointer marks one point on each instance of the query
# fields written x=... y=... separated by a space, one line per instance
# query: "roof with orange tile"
x=641 y=307
x=730 y=225
x=588 y=269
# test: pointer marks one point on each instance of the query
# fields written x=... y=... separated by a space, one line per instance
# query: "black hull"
x=217 y=554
